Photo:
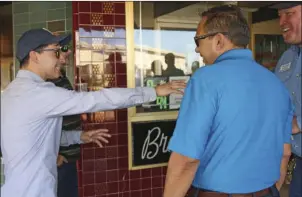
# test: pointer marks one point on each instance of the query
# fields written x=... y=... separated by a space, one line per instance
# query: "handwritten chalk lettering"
x=159 y=142
x=150 y=141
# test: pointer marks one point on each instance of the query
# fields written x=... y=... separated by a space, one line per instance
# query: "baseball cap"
x=34 y=38
x=285 y=5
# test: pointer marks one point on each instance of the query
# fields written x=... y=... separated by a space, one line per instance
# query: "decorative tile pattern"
x=97 y=43
x=108 y=31
x=97 y=69
x=108 y=7
x=96 y=19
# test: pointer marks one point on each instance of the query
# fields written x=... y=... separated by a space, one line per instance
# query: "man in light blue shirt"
x=288 y=70
x=32 y=111
x=234 y=119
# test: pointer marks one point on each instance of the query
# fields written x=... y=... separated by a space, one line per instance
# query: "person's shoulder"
x=206 y=70
x=290 y=51
x=46 y=86
x=204 y=73
x=179 y=70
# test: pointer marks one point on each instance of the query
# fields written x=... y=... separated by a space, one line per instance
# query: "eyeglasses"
x=57 y=51
x=197 y=38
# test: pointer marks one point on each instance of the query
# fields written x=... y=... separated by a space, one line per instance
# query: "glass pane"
x=164 y=48
x=268 y=49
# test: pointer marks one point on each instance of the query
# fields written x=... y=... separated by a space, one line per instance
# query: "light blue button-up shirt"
x=31 y=122
x=288 y=70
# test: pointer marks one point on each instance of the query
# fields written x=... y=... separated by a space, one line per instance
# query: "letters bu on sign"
x=150 y=143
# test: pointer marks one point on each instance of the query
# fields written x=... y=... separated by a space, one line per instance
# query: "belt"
x=296 y=156
x=195 y=192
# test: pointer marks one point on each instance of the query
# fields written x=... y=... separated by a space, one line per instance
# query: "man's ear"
x=220 y=42
x=33 y=56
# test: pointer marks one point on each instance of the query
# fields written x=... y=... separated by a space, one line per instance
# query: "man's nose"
x=63 y=59
x=68 y=52
x=196 y=49
x=282 y=20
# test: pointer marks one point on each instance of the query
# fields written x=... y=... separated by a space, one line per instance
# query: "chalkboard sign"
x=150 y=142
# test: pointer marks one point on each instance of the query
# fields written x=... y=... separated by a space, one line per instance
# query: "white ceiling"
x=191 y=12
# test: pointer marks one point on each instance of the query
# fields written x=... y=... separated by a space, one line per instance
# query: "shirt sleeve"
x=70 y=137
x=57 y=101
x=289 y=124
x=195 y=119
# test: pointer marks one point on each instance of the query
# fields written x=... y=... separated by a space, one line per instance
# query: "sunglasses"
x=57 y=51
x=197 y=38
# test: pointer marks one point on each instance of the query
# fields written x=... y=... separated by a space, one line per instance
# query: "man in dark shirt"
x=288 y=70
x=68 y=155
x=171 y=69
x=67 y=168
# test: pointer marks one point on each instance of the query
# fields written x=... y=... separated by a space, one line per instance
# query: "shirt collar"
x=235 y=54
x=30 y=75
x=295 y=48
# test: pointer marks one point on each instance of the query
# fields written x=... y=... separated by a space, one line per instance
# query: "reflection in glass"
x=98 y=53
x=268 y=49
x=163 y=51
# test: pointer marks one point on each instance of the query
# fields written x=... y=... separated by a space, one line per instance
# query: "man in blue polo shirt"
x=234 y=119
x=288 y=70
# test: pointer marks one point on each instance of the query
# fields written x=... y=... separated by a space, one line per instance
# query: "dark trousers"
x=68 y=180
x=273 y=193
x=295 y=189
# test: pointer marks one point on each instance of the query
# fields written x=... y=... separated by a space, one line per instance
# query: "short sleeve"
x=195 y=119
x=289 y=124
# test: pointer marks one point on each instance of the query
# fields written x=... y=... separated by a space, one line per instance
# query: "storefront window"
x=164 y=49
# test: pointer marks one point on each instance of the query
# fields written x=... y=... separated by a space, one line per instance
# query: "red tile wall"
x=104 y=171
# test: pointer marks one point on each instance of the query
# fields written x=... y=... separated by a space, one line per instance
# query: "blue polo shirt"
x=234 y=118
x=289 y=72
